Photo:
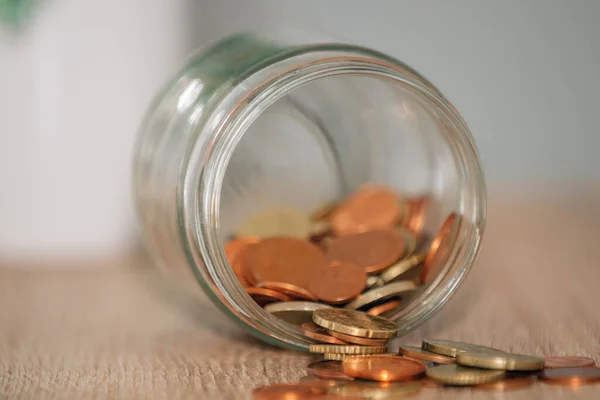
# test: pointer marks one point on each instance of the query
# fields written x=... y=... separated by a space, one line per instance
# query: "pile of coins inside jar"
x=365 y=253
x=350 y=371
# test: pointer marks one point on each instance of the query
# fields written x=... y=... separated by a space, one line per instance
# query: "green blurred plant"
x=15 y=12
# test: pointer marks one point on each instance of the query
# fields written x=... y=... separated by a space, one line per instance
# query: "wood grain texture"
x=118 y=333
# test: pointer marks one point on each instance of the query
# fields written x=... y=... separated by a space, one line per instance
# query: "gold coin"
x=393 y=272
x=355 y=323
x=451 y=349
x=319 y=230
x=295 y=312
x=323 y=212
x=405 y=210
x=410 y=242
x=336 y=357
x=276 y=222
x=453 y=374
x=376 y=295
x=373 y=280
x=346 y=349
x=375 y=390
x=502 y=361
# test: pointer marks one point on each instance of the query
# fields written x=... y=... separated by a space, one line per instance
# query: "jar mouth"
x=200 y=193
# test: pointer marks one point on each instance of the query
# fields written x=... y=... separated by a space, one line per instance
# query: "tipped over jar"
x=270 y=172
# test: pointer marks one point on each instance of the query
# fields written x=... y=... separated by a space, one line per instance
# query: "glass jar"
x=253 y=122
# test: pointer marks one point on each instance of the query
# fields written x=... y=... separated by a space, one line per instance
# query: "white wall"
x=75 y=83
x=525 y=74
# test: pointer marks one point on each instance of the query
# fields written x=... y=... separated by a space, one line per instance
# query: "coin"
x=394 y=289
x=395 y=271
x=508 y=384
x=375 y=390
x=265 y=296
x=420 y=354
x=451 y=349
x=439 y=248
x=372 y=207
x=415 y=220
x=453 y=374
x=276 y=222
x=323 y=212
x=373 y=280
x=358 y=340
x=384 y=369
x=347 y=349
x=335 y=357
x=318 y=231
x=328 y=369
x=299 y=391
x=410 y=242
x=355 y=323
x=571 y=376
x=385 y=307
x=502 y=361
x=285 y=259
x=568 y=362
x=288 y=289
x=314 y=331
x=339 y=283
x=295 y=312
x=235 y=251
x=373 y=250
x=318 y=382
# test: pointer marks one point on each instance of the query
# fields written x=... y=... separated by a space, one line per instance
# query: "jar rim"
x=200 y=189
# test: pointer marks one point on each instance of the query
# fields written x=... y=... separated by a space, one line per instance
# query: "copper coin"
x=285 y=259
x=568 y=362
x=372 y=207
x=288 y=289
x=383 y=368
x=385 y=307
x=571 y=376
x=357 y=339
x=439 y=248
x=373 y=250
x=420 y=354
x=235 y=251
x=415 y=220
x=318 y=382
x=298 y=391
x=266 y=296
x=508 y=384
x=339 y=283
x=314 y=331
x=375 y=390
x=328 y=369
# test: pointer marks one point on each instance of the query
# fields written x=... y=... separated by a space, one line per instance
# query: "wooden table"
x=117 y=332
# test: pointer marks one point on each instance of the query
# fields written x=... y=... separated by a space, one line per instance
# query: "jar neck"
x=257 y=88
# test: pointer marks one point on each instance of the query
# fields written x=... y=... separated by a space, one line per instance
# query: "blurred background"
x=76 y=77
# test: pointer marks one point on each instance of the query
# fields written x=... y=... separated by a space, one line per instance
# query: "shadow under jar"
x=252 y=123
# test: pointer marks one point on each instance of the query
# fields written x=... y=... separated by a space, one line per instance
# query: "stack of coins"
x=365 y=253
x=436 y=364
x=353 y=333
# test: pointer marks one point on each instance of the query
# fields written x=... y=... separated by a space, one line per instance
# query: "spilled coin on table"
x=295 y=312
